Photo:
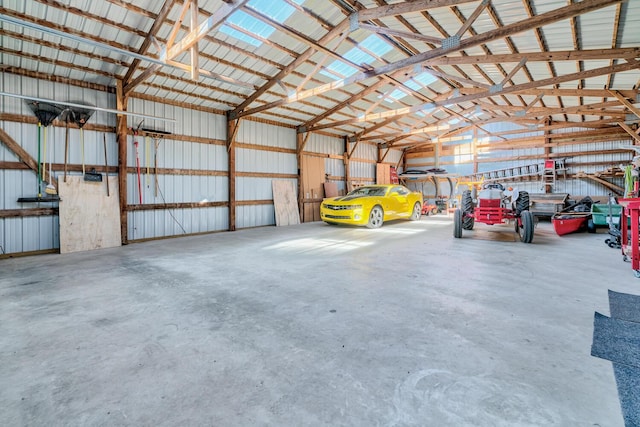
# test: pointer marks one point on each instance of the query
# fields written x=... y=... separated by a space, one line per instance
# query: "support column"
x=121 y=139
x=347 y=174
x=475 y=151
x=232 y=131
x=299 y=148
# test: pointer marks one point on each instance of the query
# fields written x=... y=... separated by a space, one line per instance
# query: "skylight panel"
x=375 y=45
x=278 y=10
x=338 y=69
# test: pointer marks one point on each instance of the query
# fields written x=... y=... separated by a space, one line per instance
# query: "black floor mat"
x=617 y=338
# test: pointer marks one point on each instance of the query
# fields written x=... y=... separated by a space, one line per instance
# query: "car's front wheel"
x=376 y=217
x=417 y=212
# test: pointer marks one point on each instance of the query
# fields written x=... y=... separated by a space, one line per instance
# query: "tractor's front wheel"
x=457 y=223
x=522 y=204
x=526 y=231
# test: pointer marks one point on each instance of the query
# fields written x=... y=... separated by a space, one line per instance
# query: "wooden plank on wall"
x=313 y=179
x=88 y=218
x=383 y=173
x=285 y=202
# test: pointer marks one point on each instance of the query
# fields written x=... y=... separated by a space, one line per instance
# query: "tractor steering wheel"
x=495 y=185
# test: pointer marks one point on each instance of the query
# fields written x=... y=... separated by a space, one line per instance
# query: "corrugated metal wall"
x=262 y=161
x=362 y=166
x=177 y=151
x=40 y=233
x=490 y=160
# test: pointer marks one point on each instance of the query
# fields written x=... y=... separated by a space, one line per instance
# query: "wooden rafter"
x=157 y=24
x=635 y=110
x=511 y=89
x=630 y=131
x=520 y=26
x=190 y=40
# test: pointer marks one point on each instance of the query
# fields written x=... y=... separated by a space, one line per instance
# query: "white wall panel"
x=255 y=216
x=324 y=144
x=251 y=132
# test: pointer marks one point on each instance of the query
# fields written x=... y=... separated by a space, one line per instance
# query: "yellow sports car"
x=372 y=205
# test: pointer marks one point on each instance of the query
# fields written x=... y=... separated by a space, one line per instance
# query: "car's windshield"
x=368 y=191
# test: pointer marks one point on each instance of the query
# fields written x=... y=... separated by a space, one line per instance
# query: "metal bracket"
x=354 y=22
x=496 y=88
x=451 y=42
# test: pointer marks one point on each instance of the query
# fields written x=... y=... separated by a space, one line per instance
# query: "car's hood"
x=345 y=198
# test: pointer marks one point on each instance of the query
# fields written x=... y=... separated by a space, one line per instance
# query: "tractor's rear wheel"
x=522 y=204
x=467 y=208
x=457 y=223
x=526 y=231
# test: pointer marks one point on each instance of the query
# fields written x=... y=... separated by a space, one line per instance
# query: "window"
x=361 y=54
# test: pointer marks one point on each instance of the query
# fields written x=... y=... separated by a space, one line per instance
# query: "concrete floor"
x=313 y=325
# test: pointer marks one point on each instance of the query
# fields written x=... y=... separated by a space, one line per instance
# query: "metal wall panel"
x=42 y=233
x=265 y=134
x=324 y=144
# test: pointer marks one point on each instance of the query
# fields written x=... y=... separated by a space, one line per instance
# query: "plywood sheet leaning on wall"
x=383 y=173
x=285 y=202
x=88 y=218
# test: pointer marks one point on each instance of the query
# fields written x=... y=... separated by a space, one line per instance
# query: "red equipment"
x=495 y=207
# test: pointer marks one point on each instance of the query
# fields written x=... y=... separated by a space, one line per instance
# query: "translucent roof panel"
x=361 y=54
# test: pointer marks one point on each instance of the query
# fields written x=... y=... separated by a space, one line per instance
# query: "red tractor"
x=495 y=206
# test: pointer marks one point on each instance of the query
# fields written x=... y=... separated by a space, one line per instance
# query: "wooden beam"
x=507 y=30
x=182 y=205
x=300 y=143
x=338 y=30
x=513 y=72
x=405 y=7
x=22 y=213
x=157 y=24
x=24 y=156
x=177 y=25
x=190 y=40
x=565 y=55
x=459 y=79
x=403 y=34
x=469 y=22
x=232 y=131
x=478 y=95
x=121 y=138
x=335 y=32
x=194 y=48
x=197 y=34
x=631 y=132
x=635 y=110
x=619 y=190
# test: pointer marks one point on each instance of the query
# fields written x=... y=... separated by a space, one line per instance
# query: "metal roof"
x=490 y=59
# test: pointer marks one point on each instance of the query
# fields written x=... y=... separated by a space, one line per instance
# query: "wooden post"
x=121 y=138
x=347 y=174
x=232 y=131
x=299 y=148
x=475 y=151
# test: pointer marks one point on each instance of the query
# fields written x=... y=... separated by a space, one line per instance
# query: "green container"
x=600 y=214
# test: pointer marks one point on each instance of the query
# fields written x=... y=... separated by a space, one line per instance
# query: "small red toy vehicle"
x=495 y=206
